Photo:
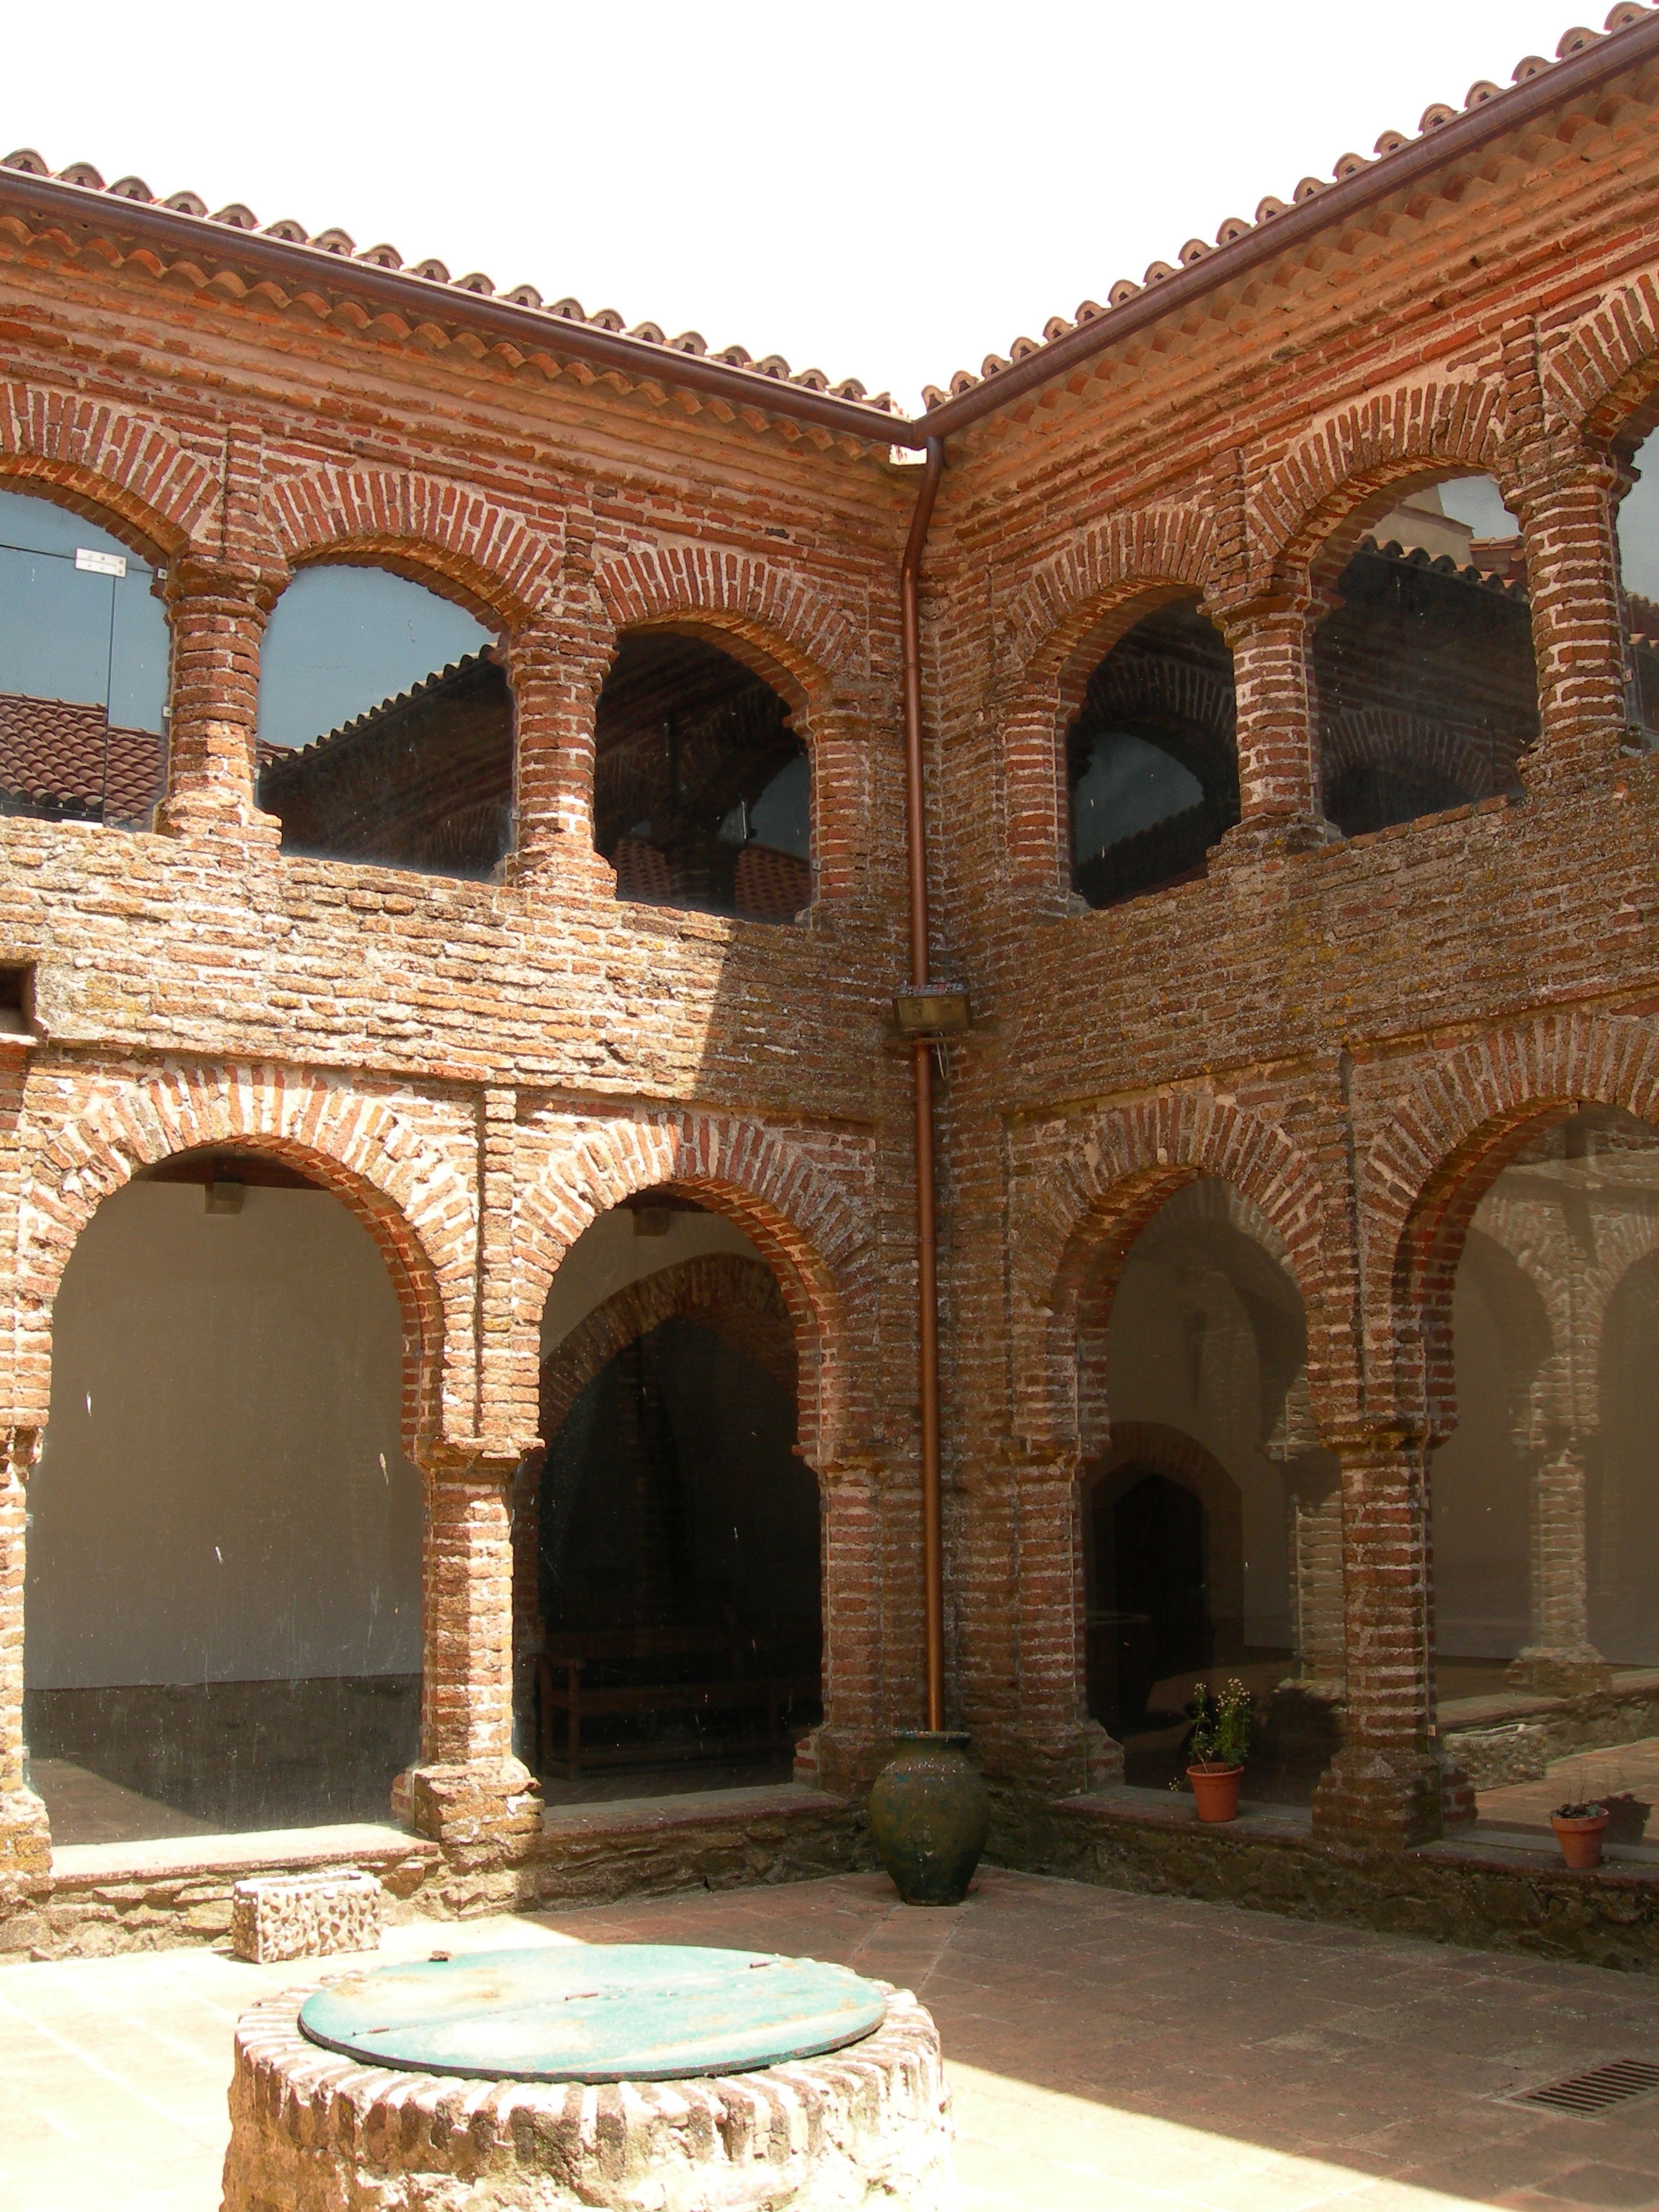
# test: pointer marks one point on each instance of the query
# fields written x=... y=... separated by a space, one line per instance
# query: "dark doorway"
x=1154 y=1537
x=679 y=1564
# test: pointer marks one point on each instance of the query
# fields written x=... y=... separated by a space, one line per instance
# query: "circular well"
x=612 y=2012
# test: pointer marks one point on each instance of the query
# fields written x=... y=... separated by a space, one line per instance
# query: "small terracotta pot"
x=1580 y=1840
x=1216 y=1788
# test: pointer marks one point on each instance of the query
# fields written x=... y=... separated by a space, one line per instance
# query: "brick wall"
x=1354 y=1033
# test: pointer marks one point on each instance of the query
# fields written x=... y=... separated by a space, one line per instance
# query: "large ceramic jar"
x=929 y=1816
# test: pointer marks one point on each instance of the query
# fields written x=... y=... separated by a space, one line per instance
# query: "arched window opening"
x=701 y=791
x=1150 y=763
x=1211 y=1522
x=1638 y=574
x=675 y=1564
x=1423 y=674
x=385 y=727
x=1545 y=1496
x=84 y=656
x=223 y=1605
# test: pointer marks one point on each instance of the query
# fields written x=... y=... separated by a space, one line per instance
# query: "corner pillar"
x=1384 y=1786
x=847 y=1750
x=468 y=1792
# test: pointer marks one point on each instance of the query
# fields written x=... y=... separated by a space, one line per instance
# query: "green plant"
x=1588 y=1809
x=1221 y=1725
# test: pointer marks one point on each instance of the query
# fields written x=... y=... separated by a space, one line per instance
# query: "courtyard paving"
x=1149 y=2054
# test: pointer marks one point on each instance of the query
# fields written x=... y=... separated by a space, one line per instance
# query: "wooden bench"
x=740 y=1684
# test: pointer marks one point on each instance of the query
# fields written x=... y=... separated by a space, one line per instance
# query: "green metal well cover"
x=601 y=2012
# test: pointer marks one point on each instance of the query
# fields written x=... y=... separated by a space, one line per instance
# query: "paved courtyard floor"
x=1144 y=2054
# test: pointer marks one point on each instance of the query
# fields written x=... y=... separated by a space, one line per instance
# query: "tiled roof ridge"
x=850 y=394
x=1434 y=117
x=399 y=702
x=236 y=216
x=1418 y=556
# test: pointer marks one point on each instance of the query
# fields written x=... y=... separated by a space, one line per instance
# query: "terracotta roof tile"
x=60 y=757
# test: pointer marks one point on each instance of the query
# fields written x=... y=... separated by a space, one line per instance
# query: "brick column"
x=1383 y=1787
x=555 y=676
x=846 y=1753
x=527 y=1509
x=1566 y=512
x=469 y=1791
x=1279 y=776
x=25 y=1838
x=1560 y=1661
x=1314 y=1494
x=218 y=619
x=1052 y=1747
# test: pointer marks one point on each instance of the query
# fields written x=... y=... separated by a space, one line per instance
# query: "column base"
x=25 y=1834
x=1457 y=1807
x=1554 y=1672
x=1274 y=837
x=1386 y=1799
x=841 y=1760
x=487 y=1809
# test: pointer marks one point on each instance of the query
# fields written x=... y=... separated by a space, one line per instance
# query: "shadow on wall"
x=223 y=1605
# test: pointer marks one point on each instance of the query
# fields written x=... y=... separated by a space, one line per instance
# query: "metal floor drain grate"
x=1594 y=2091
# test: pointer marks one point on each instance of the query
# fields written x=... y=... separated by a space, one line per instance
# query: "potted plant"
x=1579 y=1826
x=1219 y=1744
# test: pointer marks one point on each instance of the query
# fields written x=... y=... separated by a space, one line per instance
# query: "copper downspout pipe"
x=921 y=1069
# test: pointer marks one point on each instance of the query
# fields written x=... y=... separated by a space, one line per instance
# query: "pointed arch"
x=408 y=1195
x=817 y=1243
x=1442 y=1145
x=1074 y=1232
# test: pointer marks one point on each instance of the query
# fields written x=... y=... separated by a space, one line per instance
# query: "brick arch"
x=1605 y=372
x=751 y=606
x=410 y=1198
x=1087 y=1209
x=1377 y=444
x=114 y=468
x=1071 y=601
x=1160 y=1449
x=1068 y=614
x=817 y=1244
x=428 y=528
x=737 y=1298
x=1444 y=1146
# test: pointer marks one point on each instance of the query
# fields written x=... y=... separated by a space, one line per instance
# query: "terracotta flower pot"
x=929 y=1816
x=1580 y=1840
x=1216 y=1788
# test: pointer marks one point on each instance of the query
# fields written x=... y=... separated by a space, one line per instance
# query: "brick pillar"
x=556 y=676
x=1278 y=794
x=469 y=1791
x=1560 y=1661
x=1053 y=1747
x=526 y=1507
x=218 y=618
x=1383 y=1787
x=25 y=1837
x=847 y=1750
x=1572 y=579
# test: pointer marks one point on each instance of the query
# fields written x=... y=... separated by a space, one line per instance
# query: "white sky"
x=888 y=191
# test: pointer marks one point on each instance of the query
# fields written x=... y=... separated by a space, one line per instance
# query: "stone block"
x=305 y=1916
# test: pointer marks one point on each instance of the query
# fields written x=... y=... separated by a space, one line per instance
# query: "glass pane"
x=1639 y=563
x=385 y=725
x=1152 y=769
x=1546 y=1531
x=83 y=670
x=1212 y=1521
x=702 y=793
x=1424 y=673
